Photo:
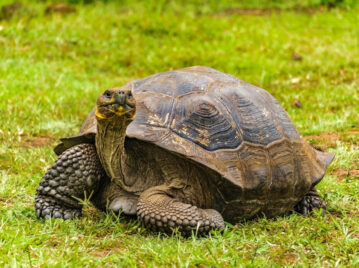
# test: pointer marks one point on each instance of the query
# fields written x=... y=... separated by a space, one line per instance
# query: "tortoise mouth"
x=112 y=109
x=120 y=109
x=115 y=106
x=121 y=106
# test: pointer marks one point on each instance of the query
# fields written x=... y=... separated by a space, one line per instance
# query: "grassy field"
x=53 y=66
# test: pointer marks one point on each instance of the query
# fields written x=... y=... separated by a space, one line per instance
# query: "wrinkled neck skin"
x=110 y=141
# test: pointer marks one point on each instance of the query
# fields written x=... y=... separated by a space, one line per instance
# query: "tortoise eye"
x=130 y=96
x=107 y=94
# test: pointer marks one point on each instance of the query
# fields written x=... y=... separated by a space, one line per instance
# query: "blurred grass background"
x=55 y=61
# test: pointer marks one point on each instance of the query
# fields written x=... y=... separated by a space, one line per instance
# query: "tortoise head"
x=116 y=103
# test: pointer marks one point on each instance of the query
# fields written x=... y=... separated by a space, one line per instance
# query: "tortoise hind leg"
x=159 y=210
x=111 y=197
x=310 y=201
x=76 y=174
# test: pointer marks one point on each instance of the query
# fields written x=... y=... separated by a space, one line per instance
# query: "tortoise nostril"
x=120 y=97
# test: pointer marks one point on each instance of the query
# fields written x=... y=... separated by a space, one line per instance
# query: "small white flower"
x=295 y=80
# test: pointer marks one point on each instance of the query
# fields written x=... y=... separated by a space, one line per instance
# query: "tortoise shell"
x=226 y=124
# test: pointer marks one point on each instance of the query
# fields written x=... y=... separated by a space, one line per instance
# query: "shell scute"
x=283 y=169
x=256 y=169
x=255 y=113
x=304 y=167
x=200 y=119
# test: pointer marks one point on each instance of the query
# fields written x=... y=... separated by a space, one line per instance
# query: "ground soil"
x=341 y=173
x=38 y=141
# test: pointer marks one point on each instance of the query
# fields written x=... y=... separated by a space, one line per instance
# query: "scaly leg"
x=310 y=201
x=159 y=210
x=75 y=174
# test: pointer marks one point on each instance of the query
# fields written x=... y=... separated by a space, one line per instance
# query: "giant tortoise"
x=185 y=149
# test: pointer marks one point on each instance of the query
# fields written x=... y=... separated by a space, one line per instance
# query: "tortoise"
x=185 y=149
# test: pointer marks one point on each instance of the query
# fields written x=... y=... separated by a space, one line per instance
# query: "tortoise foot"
x=110 y=197
x=159 y=212
x=47 y=207
x=310 y=202
x=124 y=204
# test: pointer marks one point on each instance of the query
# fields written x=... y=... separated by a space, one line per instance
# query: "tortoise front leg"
x=160 y=211
x=75 y=174
x=310 y=201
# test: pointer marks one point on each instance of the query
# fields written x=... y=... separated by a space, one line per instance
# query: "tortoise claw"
x=47 y=208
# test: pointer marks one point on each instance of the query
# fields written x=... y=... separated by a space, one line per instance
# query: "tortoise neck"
x=110 y=145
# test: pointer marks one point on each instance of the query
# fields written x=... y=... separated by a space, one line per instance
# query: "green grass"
x=52 y=67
